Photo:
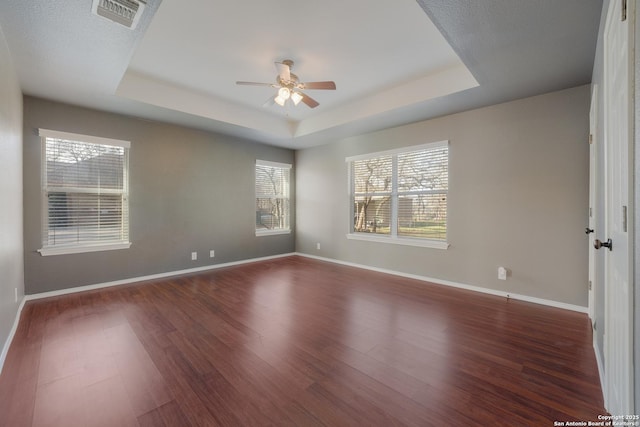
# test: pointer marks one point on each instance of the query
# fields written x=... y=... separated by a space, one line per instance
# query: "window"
x=400 y=196
x=85 y=193
x=272 y=197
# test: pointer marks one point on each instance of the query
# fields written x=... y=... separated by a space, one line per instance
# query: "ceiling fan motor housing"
x=291 y=83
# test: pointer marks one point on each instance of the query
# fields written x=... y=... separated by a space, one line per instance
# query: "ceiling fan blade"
x=311 y=103
x=255 y=84
x=319 y=85
x=284 y=71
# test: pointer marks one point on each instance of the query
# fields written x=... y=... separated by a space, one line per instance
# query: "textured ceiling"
x=389 y=63
x=521 y=47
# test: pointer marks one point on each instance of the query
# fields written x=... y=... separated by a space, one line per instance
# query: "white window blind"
x=401 y=194
x=272 y=197
x=85 y=193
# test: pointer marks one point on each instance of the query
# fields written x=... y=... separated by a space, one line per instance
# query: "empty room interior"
x=408 y=212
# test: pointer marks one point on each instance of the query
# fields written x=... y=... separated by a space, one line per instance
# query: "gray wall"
x=11 y=263
x=189 y=191
x=518 y=198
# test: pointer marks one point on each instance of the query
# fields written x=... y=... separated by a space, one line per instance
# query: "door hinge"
x=590 y=212
x=624 y=219
x=624 y=11
x=590 y=138
x=590 y=284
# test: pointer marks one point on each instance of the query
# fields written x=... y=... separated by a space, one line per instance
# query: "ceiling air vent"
x=124 y=12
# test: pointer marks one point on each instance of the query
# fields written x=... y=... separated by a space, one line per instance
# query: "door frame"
x=593 y=197
x=618 y=386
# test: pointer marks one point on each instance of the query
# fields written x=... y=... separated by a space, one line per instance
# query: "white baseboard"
x=149 y=277
x=12 y=332
x=600 y=368
x=480 y=289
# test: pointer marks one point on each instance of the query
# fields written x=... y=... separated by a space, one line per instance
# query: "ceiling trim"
x=150 y=90
x=160 y=93
x=444 y=82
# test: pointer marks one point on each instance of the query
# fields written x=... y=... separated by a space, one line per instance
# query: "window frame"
x=286 y=166
x=94 y=246
x=393 y=236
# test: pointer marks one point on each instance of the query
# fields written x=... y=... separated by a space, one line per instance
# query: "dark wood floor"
x=298 y=342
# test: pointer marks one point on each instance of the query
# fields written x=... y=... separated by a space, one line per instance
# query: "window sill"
x=271 y=232
x=65 y=250
x=423 y=243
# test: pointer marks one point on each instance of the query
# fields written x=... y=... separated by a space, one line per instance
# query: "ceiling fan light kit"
x=296 y=98
x=290 y=88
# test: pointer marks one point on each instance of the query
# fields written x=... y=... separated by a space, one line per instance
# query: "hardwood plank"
x=295 y=341
x=107 y=404
x=144 y=384
x=59 y=402
x=170 y=414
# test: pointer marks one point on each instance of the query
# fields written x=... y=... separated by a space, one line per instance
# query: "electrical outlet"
x=194 y=256
x=212 y=253
x=318 y=246
x=502 y=273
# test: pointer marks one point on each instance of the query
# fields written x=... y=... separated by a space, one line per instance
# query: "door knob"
x=598 y=244
x=588 y=230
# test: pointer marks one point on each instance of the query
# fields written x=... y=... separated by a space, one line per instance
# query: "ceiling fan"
x=290 y=87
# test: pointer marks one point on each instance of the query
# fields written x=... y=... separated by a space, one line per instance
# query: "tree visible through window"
x=272 y=197
x=401 y=194
x=85 y=193
x=372 y=195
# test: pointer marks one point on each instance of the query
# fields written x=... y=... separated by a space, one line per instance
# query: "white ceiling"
x=391 y=64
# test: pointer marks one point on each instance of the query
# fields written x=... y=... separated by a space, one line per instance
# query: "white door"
x=618 y=344
x=593 y=151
